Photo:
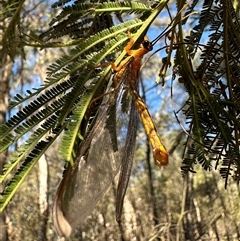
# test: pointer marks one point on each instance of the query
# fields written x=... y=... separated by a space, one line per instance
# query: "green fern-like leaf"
x=11 y=35
x=33 y=140
x=30 y=161
x=85 y=9
x=213 y=104
x=62 y=102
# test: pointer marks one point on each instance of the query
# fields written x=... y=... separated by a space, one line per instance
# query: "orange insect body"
x=78 y=193
x=160 y=153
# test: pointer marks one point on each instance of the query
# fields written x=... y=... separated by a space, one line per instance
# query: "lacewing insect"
x=108 y=148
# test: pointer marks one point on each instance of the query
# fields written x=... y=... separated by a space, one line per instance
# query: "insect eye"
x=147 y=45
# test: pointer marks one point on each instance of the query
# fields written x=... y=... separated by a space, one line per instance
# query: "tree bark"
x=5 y=72
x=43 y=197
x=185 y=223
x=188 y=220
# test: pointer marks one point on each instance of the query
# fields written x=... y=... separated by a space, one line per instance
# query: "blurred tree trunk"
x=223 y=202
x=43 y=197
x=130 y=220
x=185 y=222
x=139 y=226
x=188 y=220
x=5 y=67
x=151 y=188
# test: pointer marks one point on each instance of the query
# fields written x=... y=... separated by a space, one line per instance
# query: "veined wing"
x=109 y=146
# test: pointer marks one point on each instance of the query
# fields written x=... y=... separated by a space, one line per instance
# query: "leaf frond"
x=11 y=36
x=30 y=161
x=213 y=106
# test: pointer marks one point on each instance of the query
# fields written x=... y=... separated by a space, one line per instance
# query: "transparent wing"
x=109 y=145
x=127 y=160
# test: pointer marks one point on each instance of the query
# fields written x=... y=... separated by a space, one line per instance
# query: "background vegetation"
x=181 y=202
